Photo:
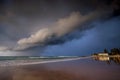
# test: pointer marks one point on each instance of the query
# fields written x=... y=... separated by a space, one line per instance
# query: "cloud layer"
x=29 y=27
x=104 y=35
x=3 y=48
x=59 y=28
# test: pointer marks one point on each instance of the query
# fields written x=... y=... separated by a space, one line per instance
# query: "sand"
x=68 y=70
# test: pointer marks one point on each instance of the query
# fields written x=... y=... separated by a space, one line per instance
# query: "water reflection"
x=108 y=59
x=116 y=59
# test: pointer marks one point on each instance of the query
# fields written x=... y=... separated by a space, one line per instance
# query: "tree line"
x=114 y=51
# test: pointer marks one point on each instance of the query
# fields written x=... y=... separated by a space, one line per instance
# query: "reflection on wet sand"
x=86 y=69
x=43 y=74
x=115 y=59
x=36 y=73
x=108 y=59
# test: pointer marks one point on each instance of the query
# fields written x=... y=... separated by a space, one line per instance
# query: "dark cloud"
x=103 y=35
x=21 y=18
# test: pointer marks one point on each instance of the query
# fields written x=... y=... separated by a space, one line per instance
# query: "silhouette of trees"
x=115 y=51
x=106 y=51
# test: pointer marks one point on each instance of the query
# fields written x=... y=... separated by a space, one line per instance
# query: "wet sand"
x=87 y=69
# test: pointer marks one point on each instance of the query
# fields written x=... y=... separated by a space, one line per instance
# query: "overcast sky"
x=58 y=27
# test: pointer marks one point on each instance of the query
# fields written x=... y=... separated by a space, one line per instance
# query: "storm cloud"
x=36 y=26
x=103 y=35
x=59 y=28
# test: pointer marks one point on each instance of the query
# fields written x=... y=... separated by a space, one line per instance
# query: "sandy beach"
x=86 y=69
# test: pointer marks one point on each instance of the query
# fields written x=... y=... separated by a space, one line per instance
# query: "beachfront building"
x=102 y=56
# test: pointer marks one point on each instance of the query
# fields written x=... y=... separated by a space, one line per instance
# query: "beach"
x=84 y=69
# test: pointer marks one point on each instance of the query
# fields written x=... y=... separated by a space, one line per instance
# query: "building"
x=102 y=57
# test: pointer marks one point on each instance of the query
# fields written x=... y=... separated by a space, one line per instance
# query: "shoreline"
x=33 y=62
